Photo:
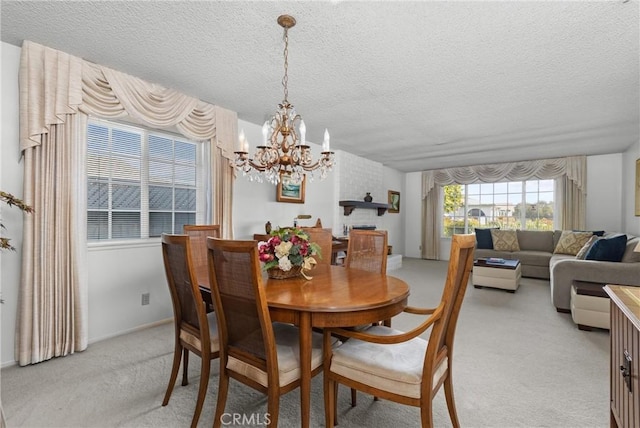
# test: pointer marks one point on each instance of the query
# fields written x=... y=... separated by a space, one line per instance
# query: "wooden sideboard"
x=625 y=355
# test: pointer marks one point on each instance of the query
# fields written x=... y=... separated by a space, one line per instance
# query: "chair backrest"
x=324 y=239
x=261 y=237
x=443 y=330
x=244 y=323
x=367 y=250
x=188 y=306
x=198 y=234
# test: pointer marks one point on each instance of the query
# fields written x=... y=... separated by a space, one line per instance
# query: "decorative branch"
x=12 y=201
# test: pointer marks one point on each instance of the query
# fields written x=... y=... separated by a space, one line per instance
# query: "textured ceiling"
x=413 y=85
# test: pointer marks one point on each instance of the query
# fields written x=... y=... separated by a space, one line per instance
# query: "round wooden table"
x=334 y=297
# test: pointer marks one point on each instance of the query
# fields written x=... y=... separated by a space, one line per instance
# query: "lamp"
x=282 y=150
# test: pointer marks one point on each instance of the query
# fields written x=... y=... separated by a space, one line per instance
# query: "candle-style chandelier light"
x=283 y=151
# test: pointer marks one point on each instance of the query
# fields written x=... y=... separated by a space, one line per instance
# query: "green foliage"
x=452 y=198
x=12 y=201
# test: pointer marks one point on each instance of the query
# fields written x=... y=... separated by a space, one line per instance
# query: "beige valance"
x=96 y=90
x=574 y=167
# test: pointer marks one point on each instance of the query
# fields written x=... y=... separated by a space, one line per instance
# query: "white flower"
x=282 y=250
x=284 y=264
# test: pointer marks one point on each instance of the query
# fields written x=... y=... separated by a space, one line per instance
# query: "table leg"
x=305 y=368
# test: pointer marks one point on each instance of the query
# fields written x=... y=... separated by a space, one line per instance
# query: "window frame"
x=523 y=193
x=145 y=240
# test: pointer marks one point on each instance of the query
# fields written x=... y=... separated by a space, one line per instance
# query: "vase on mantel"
x=368 y=198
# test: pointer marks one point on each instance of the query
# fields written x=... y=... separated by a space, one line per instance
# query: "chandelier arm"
x=325 y=161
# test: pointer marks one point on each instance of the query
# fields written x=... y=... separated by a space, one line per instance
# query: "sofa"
x=542 y=257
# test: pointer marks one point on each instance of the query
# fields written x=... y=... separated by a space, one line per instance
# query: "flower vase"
x=277 y=273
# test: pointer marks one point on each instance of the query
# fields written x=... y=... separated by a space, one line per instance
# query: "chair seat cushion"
x=395 y=368
x=193 y=340
x=288 y=349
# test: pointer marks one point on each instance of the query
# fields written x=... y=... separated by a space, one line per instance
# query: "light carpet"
x=517 y=363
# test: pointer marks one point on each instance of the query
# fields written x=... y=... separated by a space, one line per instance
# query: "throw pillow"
x=483 y=239
x=608 y=249
x=630 y=256
x=595 y=232
x=505 y=240
x=585 y=248
x=571 y=242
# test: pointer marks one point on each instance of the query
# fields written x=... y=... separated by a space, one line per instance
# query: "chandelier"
x=283 y=149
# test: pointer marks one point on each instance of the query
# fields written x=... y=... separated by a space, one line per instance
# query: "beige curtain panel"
x=57 y=92
x=571 y=190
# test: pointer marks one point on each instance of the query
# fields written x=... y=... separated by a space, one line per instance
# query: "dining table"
x=335 y=296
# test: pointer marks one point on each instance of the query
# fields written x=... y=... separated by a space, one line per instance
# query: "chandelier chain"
x=285 y=78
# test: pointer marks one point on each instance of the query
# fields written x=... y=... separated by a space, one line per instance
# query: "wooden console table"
x=625 y=355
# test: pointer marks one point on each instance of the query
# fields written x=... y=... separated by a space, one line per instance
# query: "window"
x=509 y=205
x=140 y=183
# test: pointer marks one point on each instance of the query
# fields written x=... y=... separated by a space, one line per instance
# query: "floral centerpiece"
x=288 y=253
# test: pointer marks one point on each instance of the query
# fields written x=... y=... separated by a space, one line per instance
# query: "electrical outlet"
x=145 y=298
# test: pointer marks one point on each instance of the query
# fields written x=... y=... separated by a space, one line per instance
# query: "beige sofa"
x=538 y=261
x=536 y=250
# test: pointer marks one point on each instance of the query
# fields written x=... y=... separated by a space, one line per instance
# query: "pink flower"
x=264 y=257
x=304 y=248
x=274 y=241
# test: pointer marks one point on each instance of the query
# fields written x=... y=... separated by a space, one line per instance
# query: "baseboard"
x=131 y=330
x=110 y=336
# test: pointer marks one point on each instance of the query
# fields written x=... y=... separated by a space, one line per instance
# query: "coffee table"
x=504 y=275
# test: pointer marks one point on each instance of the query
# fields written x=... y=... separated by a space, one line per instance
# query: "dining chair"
x=261 y=237
x=324 y=239
x=195 y=330
x=367 y=250
x=253 y=350
x=198 y=234
x=401 y=366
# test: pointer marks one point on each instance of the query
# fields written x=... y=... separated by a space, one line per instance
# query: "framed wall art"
x=288 y=191
x=394 y=201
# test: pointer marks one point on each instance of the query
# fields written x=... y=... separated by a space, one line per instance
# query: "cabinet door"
x=625 y=367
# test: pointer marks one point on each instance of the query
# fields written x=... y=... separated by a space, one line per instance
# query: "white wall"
x=630 y=221
x=604 y=179
x=413 y=215
x=10 y=181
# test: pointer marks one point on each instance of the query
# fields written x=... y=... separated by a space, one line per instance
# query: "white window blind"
x=140 y=183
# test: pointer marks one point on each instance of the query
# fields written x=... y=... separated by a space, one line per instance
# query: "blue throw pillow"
x=608 y=250
x=484 y=240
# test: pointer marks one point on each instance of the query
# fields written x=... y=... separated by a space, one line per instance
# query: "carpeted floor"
x=517 y=363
